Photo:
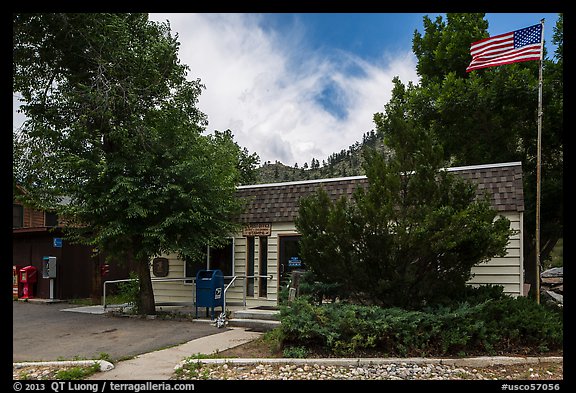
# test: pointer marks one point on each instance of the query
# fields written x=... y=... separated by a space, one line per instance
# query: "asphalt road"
x=42 y=332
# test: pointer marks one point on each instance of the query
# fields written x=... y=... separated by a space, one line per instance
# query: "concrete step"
x=258 y=325
x=251 y=313
x=260 y=320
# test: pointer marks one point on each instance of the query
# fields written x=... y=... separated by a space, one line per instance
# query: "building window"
x=222 y=258
x=17 y=216
x=50 y=219
x=212 y=258
x=192 y=266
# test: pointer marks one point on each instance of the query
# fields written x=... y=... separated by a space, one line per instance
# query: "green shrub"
x=481 y=294
x=299 y=352
x=319 y=291
x=273 y=339
x=129 y=292
x=522 y=322
x=492 y=326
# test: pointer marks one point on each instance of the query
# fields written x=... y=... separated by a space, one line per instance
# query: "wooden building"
x=268 y=245
x=37 y=234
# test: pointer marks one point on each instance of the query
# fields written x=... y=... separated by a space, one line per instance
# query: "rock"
x=552 y=287
x=554 y=272
x=552 y=280
x=555 y=297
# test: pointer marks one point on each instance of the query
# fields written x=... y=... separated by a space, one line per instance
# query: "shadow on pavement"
x=43 y=332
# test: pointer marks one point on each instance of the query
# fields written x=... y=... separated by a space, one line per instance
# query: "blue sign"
x=58 y=242
x=295 y=262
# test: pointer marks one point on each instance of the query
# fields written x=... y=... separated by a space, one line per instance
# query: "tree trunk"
x=147 y=304
x=530 y=266
x=96 y=293
x=530 y=258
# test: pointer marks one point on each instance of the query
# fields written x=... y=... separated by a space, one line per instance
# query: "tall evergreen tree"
x=410 y=239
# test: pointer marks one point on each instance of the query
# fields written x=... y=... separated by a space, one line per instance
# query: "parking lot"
x=42 y=332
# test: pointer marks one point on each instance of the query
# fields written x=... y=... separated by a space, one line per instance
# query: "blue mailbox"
x=209 y=290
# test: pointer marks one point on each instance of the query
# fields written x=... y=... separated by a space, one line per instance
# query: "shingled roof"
x=278 y=202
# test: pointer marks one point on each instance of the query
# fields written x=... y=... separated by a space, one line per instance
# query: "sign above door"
x=257 y=230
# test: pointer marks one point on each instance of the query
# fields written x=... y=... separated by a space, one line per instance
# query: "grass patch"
x=77 y=372
x=192 y=368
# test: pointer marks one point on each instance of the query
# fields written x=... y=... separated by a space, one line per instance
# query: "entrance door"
x=289 y=258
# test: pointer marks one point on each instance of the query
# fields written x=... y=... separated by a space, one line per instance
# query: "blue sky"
x=293 y=87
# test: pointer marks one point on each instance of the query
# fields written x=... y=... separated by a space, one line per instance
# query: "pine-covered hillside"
x=348 y=162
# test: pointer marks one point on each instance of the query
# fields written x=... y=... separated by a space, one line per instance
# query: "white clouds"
x=281 y=99
x=266 y=88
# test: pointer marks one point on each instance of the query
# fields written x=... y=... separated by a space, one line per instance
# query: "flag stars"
x=528 y=36
x=516 y=46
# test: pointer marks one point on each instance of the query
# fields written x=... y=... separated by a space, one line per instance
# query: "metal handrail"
x=270 y=277
x=135 y=279
x=225 y=290
x=112 y=282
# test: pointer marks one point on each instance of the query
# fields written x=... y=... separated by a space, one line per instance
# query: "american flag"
x=514 y=47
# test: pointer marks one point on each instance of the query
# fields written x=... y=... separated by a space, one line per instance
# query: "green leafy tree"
x=246 y=162
x=113 y=130
x=490 y=115
x=412 y=237
x=445 y=46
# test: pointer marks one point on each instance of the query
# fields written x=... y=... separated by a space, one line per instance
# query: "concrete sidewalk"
x=159 y=365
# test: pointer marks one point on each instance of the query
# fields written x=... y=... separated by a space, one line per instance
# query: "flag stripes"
x=514 y=47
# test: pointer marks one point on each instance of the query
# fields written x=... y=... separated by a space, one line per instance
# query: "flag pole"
x=538 y=165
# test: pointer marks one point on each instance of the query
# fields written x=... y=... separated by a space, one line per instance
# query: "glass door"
x=289 y=258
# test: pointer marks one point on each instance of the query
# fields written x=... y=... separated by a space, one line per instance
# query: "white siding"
x=173 y=291
x=236 y=291
x=508 y=270
x=180 y=292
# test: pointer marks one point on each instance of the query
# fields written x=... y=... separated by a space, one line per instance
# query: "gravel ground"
x=400 y=371
x=34 y=373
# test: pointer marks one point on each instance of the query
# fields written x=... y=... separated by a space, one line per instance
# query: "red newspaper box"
x=28 y=277
x=15 y=281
